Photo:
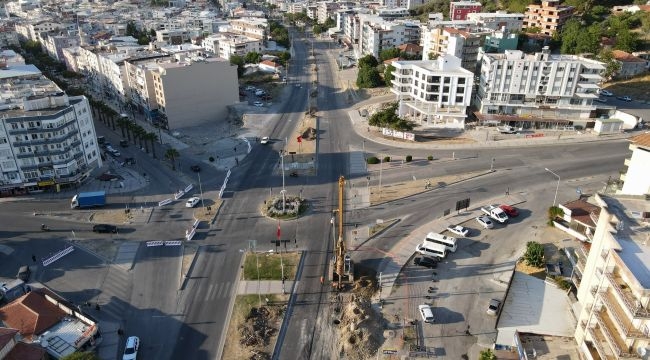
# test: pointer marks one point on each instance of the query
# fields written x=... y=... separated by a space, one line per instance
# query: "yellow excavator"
x=343 y=268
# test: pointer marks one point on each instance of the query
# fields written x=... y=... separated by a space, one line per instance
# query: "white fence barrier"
x=173 y=243
x=155 y=243
x=188 y=188
x=179 y=195
x=225 y=182
x=196 y=223
x=164 y=202
x=190 y=234
x=58 y=255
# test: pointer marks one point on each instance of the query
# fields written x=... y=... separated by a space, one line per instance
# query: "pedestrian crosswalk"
x=218 y=291
x=114 y=298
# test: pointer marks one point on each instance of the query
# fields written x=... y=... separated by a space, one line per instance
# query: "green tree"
x=368 y=61
x=534 y=255
x=252 y=57
x=152 y=33
x=388 y=75
x=387 y=117
x=123 y=123
x=172 y=154
x=626 y=40
x=143 y=40
x=487 y=354
x=389 y=54
x=368 y=77
x=131 y=29
x=239 y=61
x=284 y=57
x=86 y=355
x=33 y=47
x=151 y=138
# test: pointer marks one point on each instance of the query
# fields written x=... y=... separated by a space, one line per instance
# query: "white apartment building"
x=224 y=45
x=433 y=93
x=498 y=21
x=326 y=10
x=377 y=35
x=8 y=37
x=194 y=92
x=463 y=43
x=104 y=69
x=636 y=180
x=408 y=4
x=540 y=88
x=53 y=44
x=256 y=28
x=614 y=285
x=30 y=30
x=174 y=37
x=296 y=7
x=47 y=139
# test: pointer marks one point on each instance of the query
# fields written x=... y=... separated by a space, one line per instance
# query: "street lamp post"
x=201 y=190
x=284 y=197
x=557 y=187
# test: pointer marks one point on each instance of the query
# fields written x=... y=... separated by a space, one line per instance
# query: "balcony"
x=616 y=313
x=600 y=342
x=623 y=291
x=618 y=346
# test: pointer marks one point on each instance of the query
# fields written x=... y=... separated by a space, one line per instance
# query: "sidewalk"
x=247 y=287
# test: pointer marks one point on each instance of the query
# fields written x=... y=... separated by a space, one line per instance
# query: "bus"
x=432 y=249
x=447 y=241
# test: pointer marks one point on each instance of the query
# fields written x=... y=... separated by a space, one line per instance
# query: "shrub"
x=386 y=158
x=211 y=159
x=372 y=160
x=409 y=158
x=534 y=255
x=430 y=157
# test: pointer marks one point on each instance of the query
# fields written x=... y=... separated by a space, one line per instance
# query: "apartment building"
x=8 y=36
x=499 y=42
x=54 y=43
x=224 y=45
x=174 y=37
x=433 y=93
x=614 y=286
x=30 y=30
x=104 y=69
x=539 y=88
x=194 y=92
x=463 y=43
x=549 y=16
x=256 y=28
x=47 y=138
x=377 y=35
x=499 y=20
x=458 y=10
x=326 y=10
x=635 y=179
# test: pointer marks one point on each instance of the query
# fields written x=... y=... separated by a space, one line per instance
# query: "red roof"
x=410 y=48
x=581 y=212
x=642 y=140
x=269 y=63
x=6 y=335
x=24 y=351
x=31 y=314
x=390 y=61
x=623 y=56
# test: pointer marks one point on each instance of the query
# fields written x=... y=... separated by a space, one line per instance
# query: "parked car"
x=426 y=262
x=250 y=88
x=195 y=168
x=105 y=228
x=606 y=93
x=625 y=98
x=493 y=307
x=266 y=97
x=258 y=104
x=265 y=140
x=426 y=313
x=601 y=100
x=260 y=92
x=191 y=202
x=485 y=222
x=511 y=211
x=124 y=143
x=458 y=230
x=131 y=348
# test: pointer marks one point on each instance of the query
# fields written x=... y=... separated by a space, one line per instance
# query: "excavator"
x=343 y=272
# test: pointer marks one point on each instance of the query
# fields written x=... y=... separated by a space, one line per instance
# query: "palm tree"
x=150 y=137
x=139 y=132
x=172 y=154
x=123 y=123
x=130 y=130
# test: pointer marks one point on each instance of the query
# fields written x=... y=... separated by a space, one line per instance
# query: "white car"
x=493 y=307
x=485 y=222
x=458 y=230
x=131 y=349
x=265 y=140
x=606 y=93
x=426 y=313
x=191 y=202
x=250 y=88
x=258 y=104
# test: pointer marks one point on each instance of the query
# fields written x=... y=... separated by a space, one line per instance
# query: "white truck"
x=507 y=129
x=495 y=212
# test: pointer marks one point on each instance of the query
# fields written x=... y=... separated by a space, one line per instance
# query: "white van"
x=426 y=313
x=432 y=249
x=448 y=241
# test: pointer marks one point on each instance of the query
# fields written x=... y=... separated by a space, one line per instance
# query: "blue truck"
x=88 y=199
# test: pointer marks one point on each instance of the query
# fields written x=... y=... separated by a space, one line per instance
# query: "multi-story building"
x=433 y=93
x=463 y=43
x=326 y=10
x=547 y=17
x=630 y=65
x=380 y=35
x=30 y=30
x=53 y=44
x=47 y=138
x=499 y=20
x=614 y=285
x=636 y=180
x=173 y=37
x=8 y=37
x=499 y=42
x=458 y=10
x=256 y=28
x=194 y=92
x=224 y=45
x=541 y=87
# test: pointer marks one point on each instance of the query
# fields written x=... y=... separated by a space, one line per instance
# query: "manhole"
x=336 y=322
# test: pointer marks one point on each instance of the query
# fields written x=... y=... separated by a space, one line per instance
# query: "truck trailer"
x=88 y=199
x=495 y=212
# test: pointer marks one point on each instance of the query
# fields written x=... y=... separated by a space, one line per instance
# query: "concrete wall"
x=637 y=181
x=199 y=94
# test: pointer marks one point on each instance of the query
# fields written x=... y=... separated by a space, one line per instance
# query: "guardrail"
x=155 y=243
x=189 y=234
x=164 y=202
x=58 y=255
x=225 y=182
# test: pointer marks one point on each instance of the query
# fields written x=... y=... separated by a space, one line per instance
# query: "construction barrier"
x=173 y=243
x=196 y=223
x=164 y=202
x=179 y=194
x=189 y=234
x=188 y=188
x=248 y=143
x=225 y=182
x=534 y=135
x=58 y=255
x=155 y=243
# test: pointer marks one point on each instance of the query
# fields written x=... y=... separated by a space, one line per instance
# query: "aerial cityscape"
x=276 y=179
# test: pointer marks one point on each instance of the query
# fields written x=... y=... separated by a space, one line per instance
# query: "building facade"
x=541 y=86
x=499 y=20
x=225 y=45
x=458 y=10
x=47 y=138
x=636 y=180
x=433 y=93
x=548 y=17
x=462 y=42
x=380 y=35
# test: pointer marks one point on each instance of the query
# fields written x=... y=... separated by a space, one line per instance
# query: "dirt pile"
x=260 y=326
x=361 y=327
x=309 y=134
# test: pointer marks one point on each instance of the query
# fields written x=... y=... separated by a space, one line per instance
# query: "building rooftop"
x=642 y=140
x=520 y=55
x=632 y=232
x=31 y=314
x=623 y=56
x=582 y=211
x=15 y=71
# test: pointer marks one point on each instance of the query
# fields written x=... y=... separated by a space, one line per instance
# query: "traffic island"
x=284 y=209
